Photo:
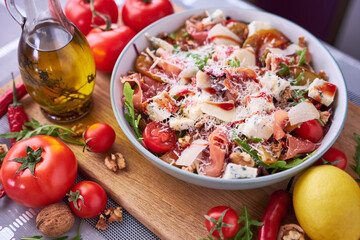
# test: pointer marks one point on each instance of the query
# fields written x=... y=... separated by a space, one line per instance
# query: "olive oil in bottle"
x=58 y=70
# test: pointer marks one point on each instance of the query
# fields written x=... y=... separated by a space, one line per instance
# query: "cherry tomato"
x=79 y=12
x=158 y=137
x=55 y=170
x=310 y=130
x=138 y=14
x=230 y=217
x=333 y=156
x=107 y=45
x=87 y=199
x=99 y=137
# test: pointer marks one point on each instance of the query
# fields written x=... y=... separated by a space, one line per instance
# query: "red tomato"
x=79 y=12
x=107 y=45
x=310 y=130
x=230 y=217
x=87 y=199
x=99 y=137
x=158 y=137
x=138 y=14
x=335 y=157
x=55 y=171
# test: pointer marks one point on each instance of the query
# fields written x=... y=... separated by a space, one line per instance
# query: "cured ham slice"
x=236 y=77
x=138 y=92
x=281 y=119
x=219 y=145
x=296 y=146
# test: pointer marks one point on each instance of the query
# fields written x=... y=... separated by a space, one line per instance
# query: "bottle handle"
x=14 y=12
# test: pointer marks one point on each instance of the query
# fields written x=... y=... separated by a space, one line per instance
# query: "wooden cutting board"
x=169 y=207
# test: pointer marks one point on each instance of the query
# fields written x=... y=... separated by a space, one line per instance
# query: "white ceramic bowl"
x=322 y=59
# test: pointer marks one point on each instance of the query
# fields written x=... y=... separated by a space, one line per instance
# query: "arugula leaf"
x=356 y=167
x=234 y=64
x=199 y=62
x=2 y=156
x=263 y=58
x=302 y=57
x=298 y=79
x=130 y=115
x=34 y=128
x=283 y=165
x=284 y=69
x=248 y=149
x=78 y=236
x=245 y=233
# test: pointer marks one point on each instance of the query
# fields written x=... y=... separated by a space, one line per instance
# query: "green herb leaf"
x=284 y=69
x=245 y=233
x=130 y=115
x=356 y=167
x=263 y=58
x=283 y=165
x=324 y=162
x=199 y=62
x=298 y=79
x=2 y=156
x=248 y=149
x=78 y=236
x=302 y=57
x=234 y=64
x=34 y=128
x=172 y=36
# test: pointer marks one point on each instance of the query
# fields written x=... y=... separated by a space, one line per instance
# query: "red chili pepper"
x=7 y=98
x=16 y=115
x=275 y=211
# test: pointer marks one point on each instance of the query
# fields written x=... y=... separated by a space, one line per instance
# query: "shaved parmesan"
x=188 y=156
x=202 y=80
x=291 y=49
x=303 y=112
x=223 y=36
x=215 y=110
x=245 y=56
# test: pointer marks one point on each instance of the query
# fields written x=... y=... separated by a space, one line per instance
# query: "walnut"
x=115 y=214
x=291 y=232
x=184 y=141
x=188 y=168
x=115 y=161
x=276 y=148
x=101 y=224
x=322 y=75
x=3 y=148
x=55 y=220
x=302 y=42
x=324 y=116
x=243 y=159
x=200 y=123
x=79 y=129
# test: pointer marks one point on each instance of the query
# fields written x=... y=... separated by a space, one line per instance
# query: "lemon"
x=327 y=204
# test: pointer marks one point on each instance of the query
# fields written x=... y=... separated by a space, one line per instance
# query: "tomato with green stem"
x=87 y=199
x=99 y=137
x=222 y=222
x=80 y=13
x=38 y=171
x=334 y=157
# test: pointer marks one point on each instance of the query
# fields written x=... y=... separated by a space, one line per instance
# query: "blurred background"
x=336 y=22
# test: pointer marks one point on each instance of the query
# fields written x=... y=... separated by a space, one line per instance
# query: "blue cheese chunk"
x=260 y=105
x=179 y=123
x=257 y=126
x=156 y=113
x=322 y=91
x=274 y=84
x=235 y=171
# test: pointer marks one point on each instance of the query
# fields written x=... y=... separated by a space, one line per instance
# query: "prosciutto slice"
x=297 y=145
x=219 y=145
x=236 y=77
x=146 y=88
x=281 y=119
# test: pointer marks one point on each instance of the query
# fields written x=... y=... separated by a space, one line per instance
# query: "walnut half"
x=3 y=148
x=243 y=159
x=115 y=161
x=291 y=232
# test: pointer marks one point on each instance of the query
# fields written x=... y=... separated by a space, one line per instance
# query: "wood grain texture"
x=169 y=207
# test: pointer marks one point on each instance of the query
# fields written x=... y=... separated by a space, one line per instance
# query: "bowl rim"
x=258 y=180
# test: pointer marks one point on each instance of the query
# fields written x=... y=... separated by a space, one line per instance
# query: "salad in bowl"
x=227 y=98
